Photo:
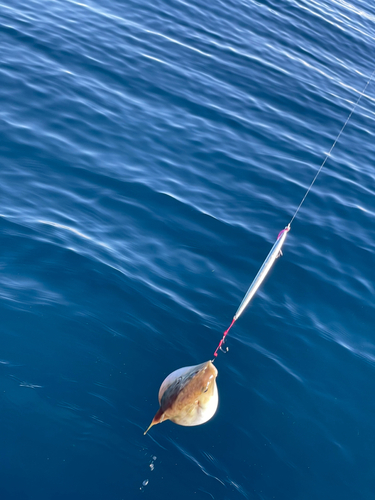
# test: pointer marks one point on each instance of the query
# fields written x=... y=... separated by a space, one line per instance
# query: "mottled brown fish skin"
x=197 y=392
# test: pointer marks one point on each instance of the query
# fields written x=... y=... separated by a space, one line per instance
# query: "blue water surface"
x=150 y=154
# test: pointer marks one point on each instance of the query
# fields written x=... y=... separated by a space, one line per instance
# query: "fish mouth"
x=207 y=374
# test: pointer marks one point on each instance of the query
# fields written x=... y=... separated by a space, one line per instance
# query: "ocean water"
x=150 y=154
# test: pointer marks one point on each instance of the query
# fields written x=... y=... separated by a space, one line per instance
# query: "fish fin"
x=159 y=417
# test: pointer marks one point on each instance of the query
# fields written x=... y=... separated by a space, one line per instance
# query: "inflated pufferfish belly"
x=188 y=396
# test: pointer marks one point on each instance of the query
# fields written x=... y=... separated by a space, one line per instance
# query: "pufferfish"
x=188 y=396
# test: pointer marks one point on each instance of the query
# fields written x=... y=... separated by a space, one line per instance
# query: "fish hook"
x=226 y=349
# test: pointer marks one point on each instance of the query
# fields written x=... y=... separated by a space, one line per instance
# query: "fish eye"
x=192 y=375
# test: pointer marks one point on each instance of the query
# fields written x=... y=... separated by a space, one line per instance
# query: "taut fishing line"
x=189 y=395
x=276 y=249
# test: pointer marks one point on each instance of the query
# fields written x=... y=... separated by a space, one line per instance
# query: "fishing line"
x=276 y=249
x=333 y=145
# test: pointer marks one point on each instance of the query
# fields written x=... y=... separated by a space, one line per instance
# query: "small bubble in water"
x=152 y=466
x=154 y=458
x=145 y=482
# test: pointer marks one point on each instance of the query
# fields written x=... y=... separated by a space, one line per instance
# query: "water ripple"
x=151 y=153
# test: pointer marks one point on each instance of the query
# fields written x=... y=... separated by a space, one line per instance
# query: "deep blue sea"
x=150 y=154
